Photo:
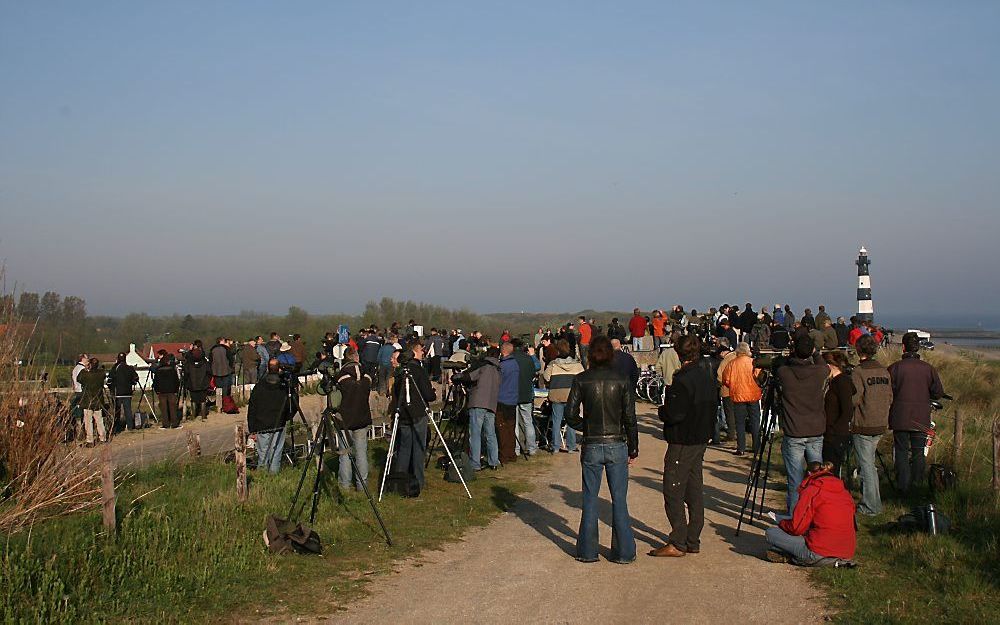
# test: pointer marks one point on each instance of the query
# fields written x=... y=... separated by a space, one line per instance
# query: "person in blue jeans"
x=484 y=382
x=559 y=375
x=354 y=418
x=802 y=381
x=267 y=413
x=610 y=445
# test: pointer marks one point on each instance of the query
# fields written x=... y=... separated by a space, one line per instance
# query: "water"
x=964 y=342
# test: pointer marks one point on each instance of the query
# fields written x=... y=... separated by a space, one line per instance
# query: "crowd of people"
x=830 y=408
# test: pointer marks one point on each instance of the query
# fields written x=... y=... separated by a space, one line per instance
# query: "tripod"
x=317 y=451
x=761 y=465
x=454 y=404
x=295 y=408
x=407 y=384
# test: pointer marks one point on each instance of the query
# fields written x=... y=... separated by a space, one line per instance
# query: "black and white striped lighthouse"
x=866 y=312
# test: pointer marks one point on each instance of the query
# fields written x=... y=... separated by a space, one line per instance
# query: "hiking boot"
x=667 y=551
x=778 y=557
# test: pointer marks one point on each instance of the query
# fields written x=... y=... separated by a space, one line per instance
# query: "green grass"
x=917 y=578
x=190 y=552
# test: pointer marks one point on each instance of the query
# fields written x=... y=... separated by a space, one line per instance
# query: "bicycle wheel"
x=640 y=388
x=654 y=390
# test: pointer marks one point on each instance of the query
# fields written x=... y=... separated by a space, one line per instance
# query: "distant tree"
x=28 y=307
x=74 y=310
x=50 y=308
x=296 y=318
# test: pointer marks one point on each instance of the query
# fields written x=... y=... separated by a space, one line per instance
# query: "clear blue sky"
x=218 y=156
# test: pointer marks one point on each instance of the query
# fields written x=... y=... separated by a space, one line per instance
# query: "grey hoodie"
x=486 y=384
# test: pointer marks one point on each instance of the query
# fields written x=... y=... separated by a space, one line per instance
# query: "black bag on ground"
x=941 y=478
x=403 y=484
x=283 y=536
x=461 y=465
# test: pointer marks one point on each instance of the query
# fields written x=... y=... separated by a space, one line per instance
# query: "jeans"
x=741 y=411
x=636 y=343
x=611 y=458
x=794 y=546
x=224 y=382
x=123 y=412
x=482 y=421
x=796 y=452
x=865 y=448
x=358 y=440
x=411 y=444
x=558 y=410
x=683 y=487
x=584 y=355
x=727 y=410
x=270 y=446
x=911 y=463
x=382 y=381
x=525 y=430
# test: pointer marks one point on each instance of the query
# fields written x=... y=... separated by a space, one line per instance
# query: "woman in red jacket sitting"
x=822 y=525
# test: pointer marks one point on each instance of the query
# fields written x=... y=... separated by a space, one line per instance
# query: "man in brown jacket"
x=872 y=400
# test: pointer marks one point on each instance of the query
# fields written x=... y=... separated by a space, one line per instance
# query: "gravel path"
x=520 y=569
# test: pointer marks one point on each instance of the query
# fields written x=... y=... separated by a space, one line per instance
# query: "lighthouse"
x=866 y=312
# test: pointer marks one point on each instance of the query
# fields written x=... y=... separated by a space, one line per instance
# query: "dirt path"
x=520 y=568
x=139 y=449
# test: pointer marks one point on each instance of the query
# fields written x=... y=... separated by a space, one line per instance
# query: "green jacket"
x=92 y=383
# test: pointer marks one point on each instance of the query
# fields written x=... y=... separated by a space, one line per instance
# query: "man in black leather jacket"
x=412 y=393
x=610 y=443
x=687 y=426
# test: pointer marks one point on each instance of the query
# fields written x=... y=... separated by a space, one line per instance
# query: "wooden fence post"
x=241 y=463
x=194 y=444
x=218 y=400
x=108 y=497
x=959 y=436
x=996 y=455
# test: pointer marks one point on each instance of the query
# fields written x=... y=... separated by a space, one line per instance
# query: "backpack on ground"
x=941 y=478
x=282 y=536
x=462 y=465
x=229 y=405
x=403 y=484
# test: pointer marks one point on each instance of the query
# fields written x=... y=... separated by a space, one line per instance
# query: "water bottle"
x=931 y=519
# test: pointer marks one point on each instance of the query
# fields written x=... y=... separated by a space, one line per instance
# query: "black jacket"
x=608 y=406
x=421 y=392
x=268 y=409
x=122 y=379
x=843 y=333
x=625 y=364
x=165 y=378
x=525 y=377
x=803 y=395
x=197 y=374
x=839 y=407
x=692 y=402
x=914 y=384
x=356 y=386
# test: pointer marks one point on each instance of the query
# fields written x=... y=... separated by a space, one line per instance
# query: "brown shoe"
x=667 y=551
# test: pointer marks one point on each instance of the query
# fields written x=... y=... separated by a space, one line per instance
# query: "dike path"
x=520 y=567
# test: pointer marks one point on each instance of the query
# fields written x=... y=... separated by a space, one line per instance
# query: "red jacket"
x=637 y=326
x=824 y=515
x=854 y=335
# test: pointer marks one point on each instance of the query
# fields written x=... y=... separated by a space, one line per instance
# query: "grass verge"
x=187 y=551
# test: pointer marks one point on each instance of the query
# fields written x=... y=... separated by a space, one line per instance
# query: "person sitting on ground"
x=914 y=384
x=610 y=445
x=687 y=426
x=267 y=413
x=822 y=525
x=355 y=417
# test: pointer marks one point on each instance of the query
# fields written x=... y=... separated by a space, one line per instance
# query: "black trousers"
x=683 y=488
x=835 y=449
x=910 y=460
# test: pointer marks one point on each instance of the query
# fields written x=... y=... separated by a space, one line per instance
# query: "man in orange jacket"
x=740 y=377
